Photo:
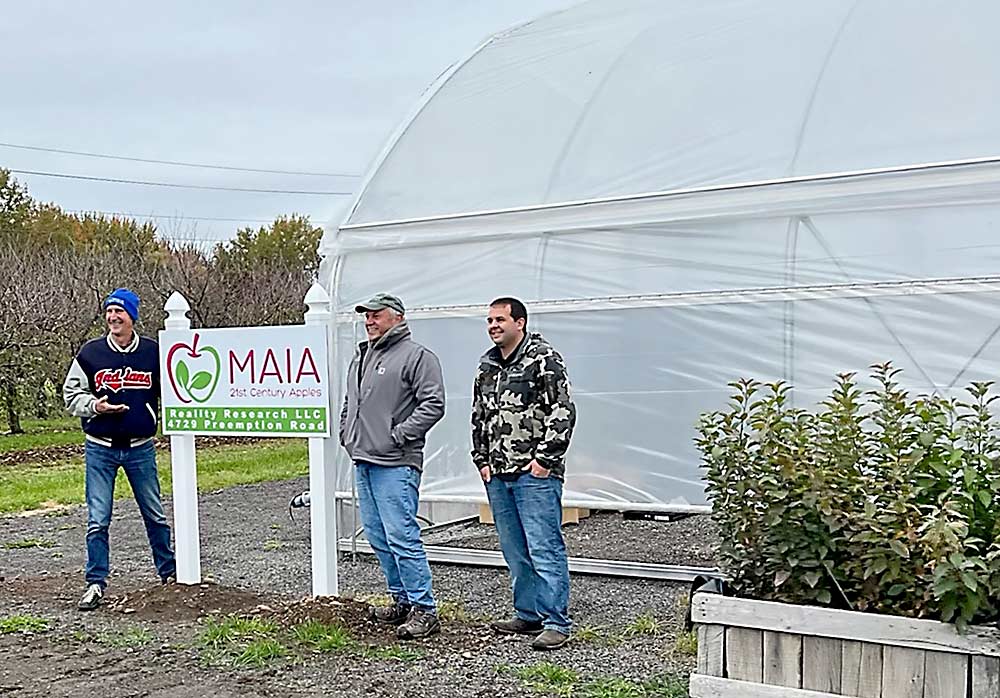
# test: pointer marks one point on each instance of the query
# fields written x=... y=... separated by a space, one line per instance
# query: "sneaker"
x=391 y=615
x=91 y=598
x=419 y=624
x=517 y=626
x=169 y=579
x=549 y=640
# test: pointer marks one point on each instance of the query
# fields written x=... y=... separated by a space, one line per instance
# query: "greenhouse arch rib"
x=873 y=189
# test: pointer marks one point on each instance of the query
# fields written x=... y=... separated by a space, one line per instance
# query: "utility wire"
x=175 y=162
x=180 y=186
x=179 y=216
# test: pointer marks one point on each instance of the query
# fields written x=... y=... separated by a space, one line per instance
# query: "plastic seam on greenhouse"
x=835 y=193
x=917 y=169
x=979 y=284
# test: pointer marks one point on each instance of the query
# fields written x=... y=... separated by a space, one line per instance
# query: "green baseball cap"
x=379 y=301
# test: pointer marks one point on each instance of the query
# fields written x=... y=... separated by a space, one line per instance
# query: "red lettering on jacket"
x=122 y=379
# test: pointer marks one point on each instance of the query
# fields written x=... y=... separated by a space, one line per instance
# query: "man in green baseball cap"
x=395 y=394
x=380 y=301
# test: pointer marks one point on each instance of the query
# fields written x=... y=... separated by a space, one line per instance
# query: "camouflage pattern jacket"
x=522 y=411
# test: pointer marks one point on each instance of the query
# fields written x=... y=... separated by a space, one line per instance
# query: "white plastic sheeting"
x=621 y=97
x=523 y=174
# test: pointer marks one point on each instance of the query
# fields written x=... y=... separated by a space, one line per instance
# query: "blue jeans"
x=528 y=516
x=140 y=468
x=388 y=497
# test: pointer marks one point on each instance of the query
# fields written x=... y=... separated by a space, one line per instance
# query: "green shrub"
x=878 y=500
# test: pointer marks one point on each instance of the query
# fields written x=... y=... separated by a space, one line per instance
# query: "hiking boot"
x=419 y=624
x=549 y=640
x=391 y=615
x=517 y=626
x=91 y=598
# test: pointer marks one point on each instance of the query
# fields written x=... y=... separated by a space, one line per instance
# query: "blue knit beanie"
x=125 y=299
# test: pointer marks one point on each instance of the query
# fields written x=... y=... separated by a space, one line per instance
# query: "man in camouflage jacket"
x=522 y=421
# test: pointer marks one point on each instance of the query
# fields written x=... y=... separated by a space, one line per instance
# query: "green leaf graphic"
x=202 y=379
x=182 y=374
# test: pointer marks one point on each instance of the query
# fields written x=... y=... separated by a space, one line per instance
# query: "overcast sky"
x=301 y=85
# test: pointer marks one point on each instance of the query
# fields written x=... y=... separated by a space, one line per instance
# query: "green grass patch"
x=261 y=652
x=40 y=433
x=613 y=687
x=36 y=487
x=219 y=632
x=687 y=643
x=645 y=624
x=252 y=641
x=551 y=679
x=595 y=634
x=240 y=641
x=333 y=637
x=29 y=543
x=135 y=636
x=666 y=686
x=23 y=624
x=324 y=637
x=546 y=677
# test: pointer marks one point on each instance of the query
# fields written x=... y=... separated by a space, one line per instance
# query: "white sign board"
x=245 y=381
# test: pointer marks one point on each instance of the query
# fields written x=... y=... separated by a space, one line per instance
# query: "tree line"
x=57 y=267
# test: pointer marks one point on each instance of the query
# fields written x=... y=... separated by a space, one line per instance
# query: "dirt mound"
x=46 y=586
x=182 y=602
x=346 y=612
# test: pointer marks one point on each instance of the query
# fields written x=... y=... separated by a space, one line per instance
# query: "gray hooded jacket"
x=395 y=394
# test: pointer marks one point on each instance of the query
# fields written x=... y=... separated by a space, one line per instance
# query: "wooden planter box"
x=763 y=649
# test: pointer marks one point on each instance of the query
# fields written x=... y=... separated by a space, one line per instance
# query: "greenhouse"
x=685 y=193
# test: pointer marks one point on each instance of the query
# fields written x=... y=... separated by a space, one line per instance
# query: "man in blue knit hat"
x=113 y=386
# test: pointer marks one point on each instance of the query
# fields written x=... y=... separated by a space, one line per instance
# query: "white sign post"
x=182 y=466
x=250 y=381
x=322 y=477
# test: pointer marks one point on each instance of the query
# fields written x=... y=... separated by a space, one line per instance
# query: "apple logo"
x=194 y=374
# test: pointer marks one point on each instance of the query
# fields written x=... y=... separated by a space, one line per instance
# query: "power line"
x=179 y=216
x=175 y=162
x=180 y=186
x=181 y=238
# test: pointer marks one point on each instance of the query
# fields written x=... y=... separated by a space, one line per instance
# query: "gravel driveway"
x=253 y=555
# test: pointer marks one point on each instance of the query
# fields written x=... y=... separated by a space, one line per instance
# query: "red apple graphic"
x=193 y=374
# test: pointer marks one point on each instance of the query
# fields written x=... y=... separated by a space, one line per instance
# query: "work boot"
x=393 y=614
x=517 y=626
x=91 y=598
x=419 y=624
x=549 y=640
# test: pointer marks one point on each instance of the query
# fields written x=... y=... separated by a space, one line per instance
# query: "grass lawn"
x=41 y=433
x=37 y=487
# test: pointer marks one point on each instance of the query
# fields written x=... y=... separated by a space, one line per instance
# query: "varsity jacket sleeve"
x=427 y=382
x=76 y=392
x=480 y=445
x=560 y=412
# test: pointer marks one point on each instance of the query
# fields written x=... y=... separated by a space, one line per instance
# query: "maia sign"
x=249 y=381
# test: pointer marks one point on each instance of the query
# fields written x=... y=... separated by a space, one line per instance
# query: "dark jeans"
x=388 y=497
x=140 y=468
x=528 y=516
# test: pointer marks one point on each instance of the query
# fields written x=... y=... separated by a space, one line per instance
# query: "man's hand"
x=484 y=473
x=537 y=470
x=102 y=407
